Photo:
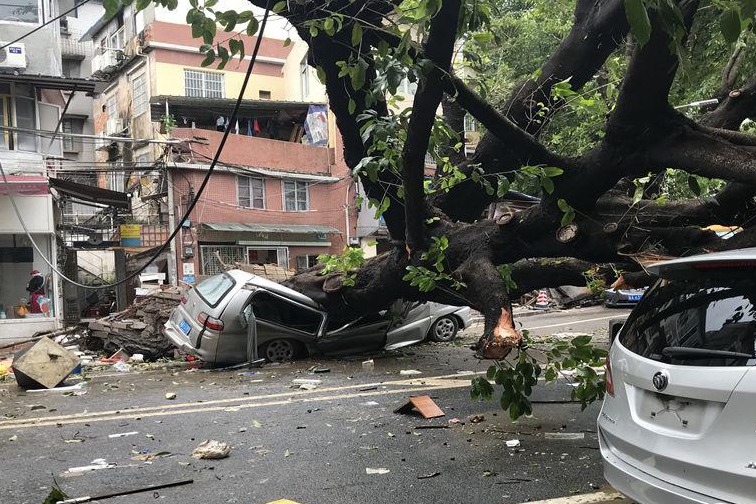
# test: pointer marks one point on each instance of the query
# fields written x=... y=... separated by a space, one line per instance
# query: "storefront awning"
x=267 y=235
x=91 y=194
x=239 y=227
x=23 y=185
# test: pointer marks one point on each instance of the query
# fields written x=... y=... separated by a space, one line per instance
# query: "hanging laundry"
x=236 y=128
x=249 y=127
x=257 y=127
x=220 y=124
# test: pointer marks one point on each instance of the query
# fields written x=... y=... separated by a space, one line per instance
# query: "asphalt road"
x=338 y=443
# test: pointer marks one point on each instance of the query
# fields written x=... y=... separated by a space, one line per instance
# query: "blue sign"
x=188 y=279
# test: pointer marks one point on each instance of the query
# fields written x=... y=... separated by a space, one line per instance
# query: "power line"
x=175 y=232
x=76 y=6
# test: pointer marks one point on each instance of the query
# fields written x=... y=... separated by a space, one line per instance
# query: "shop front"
x=24 y=313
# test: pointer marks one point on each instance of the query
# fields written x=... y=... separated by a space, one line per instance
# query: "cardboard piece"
x=43 y=365
x=423 y=404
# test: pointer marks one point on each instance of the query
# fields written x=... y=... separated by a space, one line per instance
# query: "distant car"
x=677 y=423
x=212 y=321
x=623 y=297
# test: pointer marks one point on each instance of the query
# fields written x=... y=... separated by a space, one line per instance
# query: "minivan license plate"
x=634 y=297
x=184 y=326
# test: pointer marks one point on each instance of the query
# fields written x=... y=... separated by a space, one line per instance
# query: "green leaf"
x=729 y=23
x=142 y=4
x=209 y=58
x=328 y=26
x=638 y=194
x=502 y=187
x=581 y=340
x=640 y=25
x=352 y=106
x=694 y=186
x=356 y=34
x=357 y=75
x=208 y=30
x=547 y=184
x=223 y=55
x=748 y=8
x=111 y=7
x=230 y=18
x=287 y=42
x=280 y=6
x=252 y=26
x=320 y=72
x=563 y=205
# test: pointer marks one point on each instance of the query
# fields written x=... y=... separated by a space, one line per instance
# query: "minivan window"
x=215 y=288
x=696 y=321
x=271 y=308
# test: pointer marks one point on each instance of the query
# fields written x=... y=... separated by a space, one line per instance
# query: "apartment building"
x=280 y=193
x=35 y=104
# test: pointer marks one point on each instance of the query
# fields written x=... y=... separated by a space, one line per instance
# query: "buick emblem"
x=660 y=381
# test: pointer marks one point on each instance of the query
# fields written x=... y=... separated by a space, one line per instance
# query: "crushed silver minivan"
x=236 y=316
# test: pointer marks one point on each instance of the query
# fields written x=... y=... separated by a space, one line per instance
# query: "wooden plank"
x=424 y=405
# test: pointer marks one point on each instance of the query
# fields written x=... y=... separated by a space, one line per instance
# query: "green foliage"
x=567 y=211
x=426 y=279
x=595 y=282
x=348 y=262
x=505 y=272
x=576 y=360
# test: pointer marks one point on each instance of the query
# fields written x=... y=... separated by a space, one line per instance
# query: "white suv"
x=678 y=423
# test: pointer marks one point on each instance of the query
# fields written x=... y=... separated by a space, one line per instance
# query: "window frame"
x=285 y=193
x=201 y=76
x=250 y=193
x=39 y=21
x=304 y=78
x=142 y=105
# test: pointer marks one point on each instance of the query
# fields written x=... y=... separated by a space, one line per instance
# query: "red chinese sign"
x=20 y=185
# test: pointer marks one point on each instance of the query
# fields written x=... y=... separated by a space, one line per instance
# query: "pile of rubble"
x=138 y=329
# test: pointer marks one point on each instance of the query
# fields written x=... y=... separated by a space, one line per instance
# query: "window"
x=304 y=78
x=139 y=95
x=270 y=308
x=116 y=181
x=264 y=95
x=26 y=118
x=306 y=261
x=71 y=144
x=71 y=68
x=296 y=197
x=215 y=288
x=20 y=11
x=111 y=106
x=251 y=192
x=470 y=123
x=200 y=84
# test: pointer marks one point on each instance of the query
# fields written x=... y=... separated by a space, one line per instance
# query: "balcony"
x=269 y=135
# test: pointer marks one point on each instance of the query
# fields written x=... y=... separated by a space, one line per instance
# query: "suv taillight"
x=184 y=299
x=210 y=322
x=608 y=377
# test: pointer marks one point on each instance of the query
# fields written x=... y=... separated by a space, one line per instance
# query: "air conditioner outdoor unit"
x=13 y=56
x=114 y=126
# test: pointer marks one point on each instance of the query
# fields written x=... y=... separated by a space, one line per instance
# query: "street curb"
x=477 y=318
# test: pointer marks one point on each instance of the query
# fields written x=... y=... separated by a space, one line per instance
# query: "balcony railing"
x=257 y=152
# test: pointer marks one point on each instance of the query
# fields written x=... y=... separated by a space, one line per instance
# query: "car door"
x=359 y=334
x=411 y=328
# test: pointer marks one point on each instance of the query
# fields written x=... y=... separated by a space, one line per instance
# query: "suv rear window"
x=215 y=288
x=696 y=321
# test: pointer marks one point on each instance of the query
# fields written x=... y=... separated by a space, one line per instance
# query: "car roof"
x=257 y=281
x=746 y=254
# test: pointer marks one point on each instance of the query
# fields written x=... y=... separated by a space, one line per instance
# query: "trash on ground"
x=477 y=418
x=43 y=365
x=377 y=470
x=423 y=404
x=441 y=426
x=370 y=403
x=122 y=367
x=410 y=372
x=77 y=389
x=145 y=457
x=123 y=434
x=427 y=476
x=456 y=421
x=119 y=356
x=13 y=438
x=319 y=369
x=211 y=449
x=513 y=443
x=368 y=364
x=306 y=381
x=564 y=435
x=96 y=465
x=170 y=395
x=137 y=357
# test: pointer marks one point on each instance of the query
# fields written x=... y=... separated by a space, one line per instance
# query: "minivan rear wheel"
x=280 y=350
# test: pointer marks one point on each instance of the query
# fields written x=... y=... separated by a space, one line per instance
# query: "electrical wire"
x=210 y=170
x=22 y=37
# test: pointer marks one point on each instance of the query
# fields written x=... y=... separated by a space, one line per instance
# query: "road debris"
x=477 y=418
x=377 y=470
x=370 y=403
x=148 y=456
x=122 y=367
x=138 y=329
x=150 y=488
x=368 y=365
x=170 y=396
x=122 y=434
x=45 y=364
x=513 y=443
x=74 y=390
x=428 y=476
x=410 y=372
x=96 y=465
x=442 y=426
x=211 y=449
x=564 y=436
x=423 y=404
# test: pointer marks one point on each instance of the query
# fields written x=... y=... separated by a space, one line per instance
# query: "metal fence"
x=229 y=254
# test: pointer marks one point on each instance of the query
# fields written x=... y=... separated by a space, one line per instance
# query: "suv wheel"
x=280 y=350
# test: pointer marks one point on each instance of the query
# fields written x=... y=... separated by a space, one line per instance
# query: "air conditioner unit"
x=13 y=56
x=114 y=126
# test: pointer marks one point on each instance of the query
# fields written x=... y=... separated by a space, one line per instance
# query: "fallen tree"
x=600 y=206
